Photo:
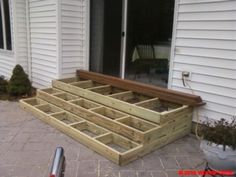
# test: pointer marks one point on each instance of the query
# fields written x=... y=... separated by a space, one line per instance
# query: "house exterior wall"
x=73 y=36
x=21 y=37
x=19 y=52
x=57 y=39
x=43 y=41
x=204 y=43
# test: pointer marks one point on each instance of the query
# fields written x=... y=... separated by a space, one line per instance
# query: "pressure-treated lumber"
x=113 y=146
x=96 y=143
x=120 y=123
x=103 y=116
x=165 y=94
x=109 y=101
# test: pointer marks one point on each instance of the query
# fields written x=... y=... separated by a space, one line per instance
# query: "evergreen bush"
x=3 y=85
x=19 y=83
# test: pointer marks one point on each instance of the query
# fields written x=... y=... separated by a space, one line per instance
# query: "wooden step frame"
x=114 y=118
x=117 y=102
x=94 y=115
x=97 y=143
x=167 y=133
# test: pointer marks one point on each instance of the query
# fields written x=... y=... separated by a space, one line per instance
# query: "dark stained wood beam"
x=153 y=91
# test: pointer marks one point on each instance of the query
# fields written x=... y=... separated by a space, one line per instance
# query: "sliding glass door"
x=131 y=39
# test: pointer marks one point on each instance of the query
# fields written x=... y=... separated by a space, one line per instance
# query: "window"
x=5 y=26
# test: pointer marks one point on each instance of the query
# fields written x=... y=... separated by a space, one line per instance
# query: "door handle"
x=123 y=34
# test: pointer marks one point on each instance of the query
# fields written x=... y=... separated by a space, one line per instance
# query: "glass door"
x=148 y=40
x=105 y=36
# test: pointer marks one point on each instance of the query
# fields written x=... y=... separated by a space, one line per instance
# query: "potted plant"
x=219 y=144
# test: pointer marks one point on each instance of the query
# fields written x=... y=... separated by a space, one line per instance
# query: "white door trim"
x=123 y=38
x=172 y=53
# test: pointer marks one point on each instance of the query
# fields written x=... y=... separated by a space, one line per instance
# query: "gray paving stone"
x=16 y=146
x=144 y=174
x=128 y=173
x=159 y=174
x=169 y=162
x=20 y=170
x=4 y=171
x=21 y=138
x=27 y=145
x=86 y=174
x=107 y=165
x=39 y=171
x=172 y=173
x=152 y=162
x=135 y=165
x=90 y=166
x=191 y=162
x=108 y=173
x=86 y=154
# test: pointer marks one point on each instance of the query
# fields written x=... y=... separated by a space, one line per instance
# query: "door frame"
x=123 y=38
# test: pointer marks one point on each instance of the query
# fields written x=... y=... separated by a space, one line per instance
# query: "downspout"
x=28 y=40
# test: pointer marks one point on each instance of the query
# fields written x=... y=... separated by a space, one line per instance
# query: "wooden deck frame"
x=115 y=119
x=115 y=101
x=100 y=143
x=97 y=116
x=97 y=143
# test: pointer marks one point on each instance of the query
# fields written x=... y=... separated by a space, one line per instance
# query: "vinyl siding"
x=73 y=36
x=205 y=45
x=43 y=40
x=21 y=28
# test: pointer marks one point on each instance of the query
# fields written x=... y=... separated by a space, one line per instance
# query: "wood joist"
x=119 y=123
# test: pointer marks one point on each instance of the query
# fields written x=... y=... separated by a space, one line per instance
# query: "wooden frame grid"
x=119 y=123
x=99 y=143
x=140 y=108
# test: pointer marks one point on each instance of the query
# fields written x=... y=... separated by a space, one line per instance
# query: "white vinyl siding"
x=7 y=62
x=205 y=45
x=73 y=36
x=21 y=28
x=43 y=40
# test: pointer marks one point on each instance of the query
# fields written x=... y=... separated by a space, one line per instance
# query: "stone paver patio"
x=27 y=147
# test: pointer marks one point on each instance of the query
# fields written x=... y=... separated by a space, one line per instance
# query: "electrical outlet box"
x=186 y=75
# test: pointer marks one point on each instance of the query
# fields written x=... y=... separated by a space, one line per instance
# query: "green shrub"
x=19 y=83
x=220 y=132
x=3 y=85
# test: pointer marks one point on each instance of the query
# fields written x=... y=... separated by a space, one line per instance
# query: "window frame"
x=4 y=27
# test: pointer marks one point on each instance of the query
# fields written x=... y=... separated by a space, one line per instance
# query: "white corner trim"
x=172 y=53
x=59 y=39
x=29 y=59
x=14 y=29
